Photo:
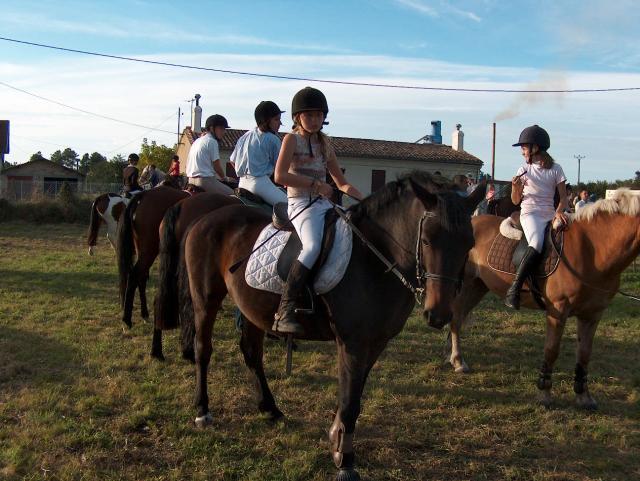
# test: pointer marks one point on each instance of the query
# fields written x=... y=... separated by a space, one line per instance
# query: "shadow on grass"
x=70 y=284
x=27 y=358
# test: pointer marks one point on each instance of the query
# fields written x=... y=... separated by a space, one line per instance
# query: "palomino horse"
x=106 y=208
x=172 y=229
x=408 y=219
x=600 y=243
x=138 y=234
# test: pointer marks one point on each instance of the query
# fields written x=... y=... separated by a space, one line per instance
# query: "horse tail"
x=187 y=317
x=125 y=247
x=94 y=223
x=166 y=302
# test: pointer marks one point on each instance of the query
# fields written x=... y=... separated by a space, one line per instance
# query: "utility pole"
x=178 y=143
x=579 y=157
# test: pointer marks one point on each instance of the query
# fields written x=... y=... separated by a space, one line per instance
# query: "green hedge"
x=47 y=211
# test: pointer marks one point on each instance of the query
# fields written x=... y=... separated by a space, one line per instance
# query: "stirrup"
x=304 y=310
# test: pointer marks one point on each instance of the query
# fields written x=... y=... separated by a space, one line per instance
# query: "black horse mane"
x=451 y=210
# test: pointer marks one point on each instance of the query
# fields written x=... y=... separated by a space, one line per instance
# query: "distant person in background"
x=203 y=162
x=130 y=176
x=174 y=168
x=584 y=199
x=154 y=176
x=471 y=183
x=256 y=153
x=461 y=183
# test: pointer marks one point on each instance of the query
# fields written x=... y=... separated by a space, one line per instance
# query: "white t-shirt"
x=540 y=188
x=203 y=153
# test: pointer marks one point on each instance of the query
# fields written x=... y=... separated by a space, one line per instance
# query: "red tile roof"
x=372 y=149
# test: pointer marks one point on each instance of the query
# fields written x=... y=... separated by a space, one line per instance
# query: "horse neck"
x=615 y=239
x=393 y=231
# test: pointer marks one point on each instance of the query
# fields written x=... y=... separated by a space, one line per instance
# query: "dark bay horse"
x=138 y=235
x=172 y=229
x=105 y=208
x=408 y=219
x=601 y=242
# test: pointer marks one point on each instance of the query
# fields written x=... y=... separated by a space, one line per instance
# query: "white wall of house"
x=360 y=172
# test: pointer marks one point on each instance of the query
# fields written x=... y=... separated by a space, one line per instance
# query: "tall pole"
x=493 y=154
x=178 y=143
x=579 y=157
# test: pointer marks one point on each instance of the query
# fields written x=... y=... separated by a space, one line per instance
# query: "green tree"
x=107 y=171
x=152 y=153
x=87 y=161
x=67 y=158
x=37 y=156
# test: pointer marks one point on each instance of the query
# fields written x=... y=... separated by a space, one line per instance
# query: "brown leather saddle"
x=249 y=198
x=505 y=254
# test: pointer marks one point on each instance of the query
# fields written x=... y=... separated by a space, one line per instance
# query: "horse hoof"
x=460 y=367
x=545 y=400
x=347 y=475
x=204 y=421
x=157 y=355
x=127 y=322
x=189 y=355
x=586 y=403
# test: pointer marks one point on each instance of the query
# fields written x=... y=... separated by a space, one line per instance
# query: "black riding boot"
x=285 y=318
x=526 y=267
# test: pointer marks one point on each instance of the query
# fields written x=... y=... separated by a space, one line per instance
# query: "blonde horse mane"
x=623 y=202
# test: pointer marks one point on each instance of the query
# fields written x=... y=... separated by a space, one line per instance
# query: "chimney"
x=196 y=116
x=436 y=136
x=457 y=139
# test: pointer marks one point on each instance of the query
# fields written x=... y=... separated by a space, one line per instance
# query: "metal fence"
x=24 y=190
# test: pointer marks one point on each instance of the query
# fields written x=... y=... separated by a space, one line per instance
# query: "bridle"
x=421 y=273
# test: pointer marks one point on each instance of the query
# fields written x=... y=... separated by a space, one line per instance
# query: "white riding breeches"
x=309 y=225
x=263 y=187
x=211 y=184
x=534 y=226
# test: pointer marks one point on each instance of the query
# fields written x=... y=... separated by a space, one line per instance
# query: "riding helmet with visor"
x=534 y=135
x=216 y=120
x=265 y=111
x=309 y=99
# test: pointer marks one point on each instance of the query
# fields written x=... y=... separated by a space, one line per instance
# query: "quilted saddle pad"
x=500 y=255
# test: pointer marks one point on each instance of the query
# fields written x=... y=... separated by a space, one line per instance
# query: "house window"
x=378 y=179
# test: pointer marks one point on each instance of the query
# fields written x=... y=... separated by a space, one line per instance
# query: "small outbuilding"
x=41 y=176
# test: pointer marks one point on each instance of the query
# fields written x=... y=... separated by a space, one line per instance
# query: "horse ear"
x=476 y=197
x=428 y=199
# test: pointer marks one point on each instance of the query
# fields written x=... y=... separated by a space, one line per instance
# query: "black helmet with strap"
x=534 y=135
x=133 y=158
x=216 y=120
x=309 y=99
x=266 y=110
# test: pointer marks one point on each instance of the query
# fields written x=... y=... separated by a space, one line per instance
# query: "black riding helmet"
x=266 y=110
x=534 y=135
x=216 y=120
x=133 y=158
x=309 y=99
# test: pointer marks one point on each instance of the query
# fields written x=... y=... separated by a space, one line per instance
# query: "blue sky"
x=467 y=44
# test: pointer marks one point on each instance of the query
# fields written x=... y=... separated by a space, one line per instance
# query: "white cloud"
x=419 y=7
x=601 y=126
x=428 y=9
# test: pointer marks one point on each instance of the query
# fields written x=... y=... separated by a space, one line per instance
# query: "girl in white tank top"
x=305 y=157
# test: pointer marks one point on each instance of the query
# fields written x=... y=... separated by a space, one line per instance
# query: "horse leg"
x=142 y=290
x=156 y=345
x=586 y=331
x=463 y=305
x=251 y=345
x=353 y=367
x=555 y=328
x=130 y=292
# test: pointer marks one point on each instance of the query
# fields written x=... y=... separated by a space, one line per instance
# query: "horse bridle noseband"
x=421 y=273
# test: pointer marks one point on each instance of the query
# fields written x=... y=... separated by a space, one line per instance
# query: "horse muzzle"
x=437 y=320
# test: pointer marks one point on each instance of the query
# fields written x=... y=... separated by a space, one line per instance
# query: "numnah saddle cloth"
x=505 y=252
x=264 y=272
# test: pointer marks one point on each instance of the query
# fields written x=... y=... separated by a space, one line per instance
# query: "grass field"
x=81 y=399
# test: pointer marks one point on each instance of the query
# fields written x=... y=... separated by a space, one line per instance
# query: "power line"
x=141 y=135
x=308 y=79
x=85 y=111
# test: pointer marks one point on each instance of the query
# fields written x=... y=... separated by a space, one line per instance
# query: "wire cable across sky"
x=308 y=79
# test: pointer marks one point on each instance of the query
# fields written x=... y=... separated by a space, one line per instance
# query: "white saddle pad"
x=262 y=272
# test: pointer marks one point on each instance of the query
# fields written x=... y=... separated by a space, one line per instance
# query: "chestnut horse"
x=105 y=208
x=172 y=229
x=406 y=220
x=600 y=243
x=138 y=234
